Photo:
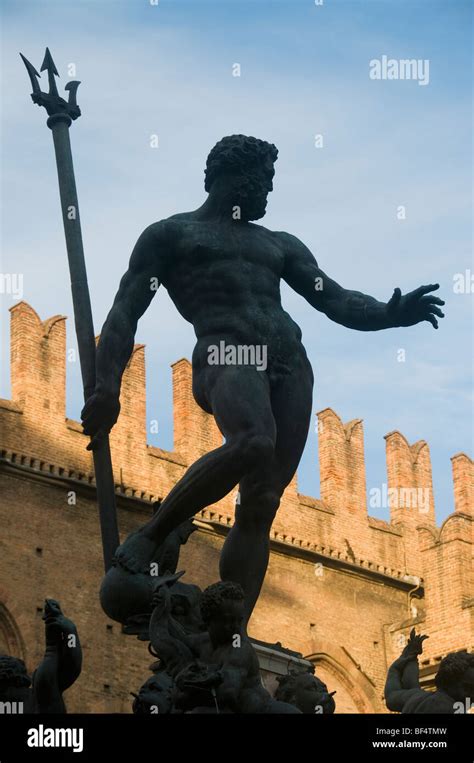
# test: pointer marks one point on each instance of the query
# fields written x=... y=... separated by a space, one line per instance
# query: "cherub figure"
x=155 y=696
x=454 y=682
x=307 y=692
x=58 y=670
x=216 y=670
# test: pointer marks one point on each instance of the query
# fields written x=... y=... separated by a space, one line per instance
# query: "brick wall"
x=342 y=587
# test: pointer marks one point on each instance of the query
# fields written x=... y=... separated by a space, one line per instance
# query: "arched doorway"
x=355 y=693
x=11 y=641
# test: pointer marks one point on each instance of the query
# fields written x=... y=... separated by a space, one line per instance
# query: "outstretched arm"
x=410 y=675
x=137 y=288
x=352 y=308
x=403 y=675
x=62 y=661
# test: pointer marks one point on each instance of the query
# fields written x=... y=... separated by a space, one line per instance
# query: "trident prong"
x=72 y=87
x=33 y=74
x=49 y=66
x=52 y=101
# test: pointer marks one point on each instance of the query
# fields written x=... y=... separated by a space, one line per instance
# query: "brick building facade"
x=342 y=588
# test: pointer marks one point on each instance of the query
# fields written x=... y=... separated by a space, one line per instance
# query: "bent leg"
x=240 y=400
x=245 y=555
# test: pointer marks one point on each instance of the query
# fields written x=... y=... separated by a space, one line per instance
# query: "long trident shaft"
x=61 y=114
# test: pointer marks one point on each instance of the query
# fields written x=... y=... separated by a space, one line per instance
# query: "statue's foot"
x=136 y=553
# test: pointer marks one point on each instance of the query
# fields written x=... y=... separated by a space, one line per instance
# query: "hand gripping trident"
x=60 y=116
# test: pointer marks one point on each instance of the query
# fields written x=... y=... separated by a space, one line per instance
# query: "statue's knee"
x=258 y=509
x=258 y=449
x=268 y=503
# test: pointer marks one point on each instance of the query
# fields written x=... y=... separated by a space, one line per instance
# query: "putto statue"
x=58 y=670
x=213 y=669
x=307 y=692
x=454 y=682
x=155 y=696
x=250 y=369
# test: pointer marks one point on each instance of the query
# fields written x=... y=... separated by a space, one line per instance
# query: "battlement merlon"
x=410 y=480
x=342 y=463
x=38 y=362
x=195 y=431
x=129 y=435
x=463 y=480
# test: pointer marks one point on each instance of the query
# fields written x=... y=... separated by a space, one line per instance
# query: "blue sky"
x=167 y=70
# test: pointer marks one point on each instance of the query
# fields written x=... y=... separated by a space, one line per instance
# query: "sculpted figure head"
x=240 y=168
x=455 y=676
x=155 y=696
x=222 y=610
x=307 y=692
x=14 y=680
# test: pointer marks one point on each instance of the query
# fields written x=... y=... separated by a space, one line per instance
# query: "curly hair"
x=236 y=152
x=288 y=684
x=452 y=669
x=213 y=596
x=13 y=672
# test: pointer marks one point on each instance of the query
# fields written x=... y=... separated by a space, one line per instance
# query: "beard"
x=251 y=197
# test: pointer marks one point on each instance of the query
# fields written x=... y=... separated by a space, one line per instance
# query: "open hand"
x=414 y=645
x=415 y=307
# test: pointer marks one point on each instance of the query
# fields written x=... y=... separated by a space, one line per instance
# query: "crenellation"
x=463 y=481
x=342 y=464
x=195 y=432
x=410 y=482
x=38 y=363
x=129 y=436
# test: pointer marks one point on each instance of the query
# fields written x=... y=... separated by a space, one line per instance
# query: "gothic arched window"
x=11 y=641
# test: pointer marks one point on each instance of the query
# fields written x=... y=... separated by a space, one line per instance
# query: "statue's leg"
x=245 y=555
x=239 y=397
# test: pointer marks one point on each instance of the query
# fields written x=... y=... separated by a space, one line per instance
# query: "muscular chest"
x=227 y=249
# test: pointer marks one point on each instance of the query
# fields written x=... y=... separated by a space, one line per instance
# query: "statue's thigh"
x=240 y=401
x=292 y=401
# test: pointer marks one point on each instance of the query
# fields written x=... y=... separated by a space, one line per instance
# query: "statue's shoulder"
x=277 y=236
x=288 y=240
x=160 y=230
x=170 y=228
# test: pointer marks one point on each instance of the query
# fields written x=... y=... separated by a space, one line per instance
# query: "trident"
x=60 y=116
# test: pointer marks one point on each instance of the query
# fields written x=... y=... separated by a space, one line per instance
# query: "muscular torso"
x=224 y=278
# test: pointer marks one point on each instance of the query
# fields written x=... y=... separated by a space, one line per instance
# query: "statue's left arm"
x=62 y=661
x=403 y=675
x=410 y=675
x=352 y=308
x=396 y=695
